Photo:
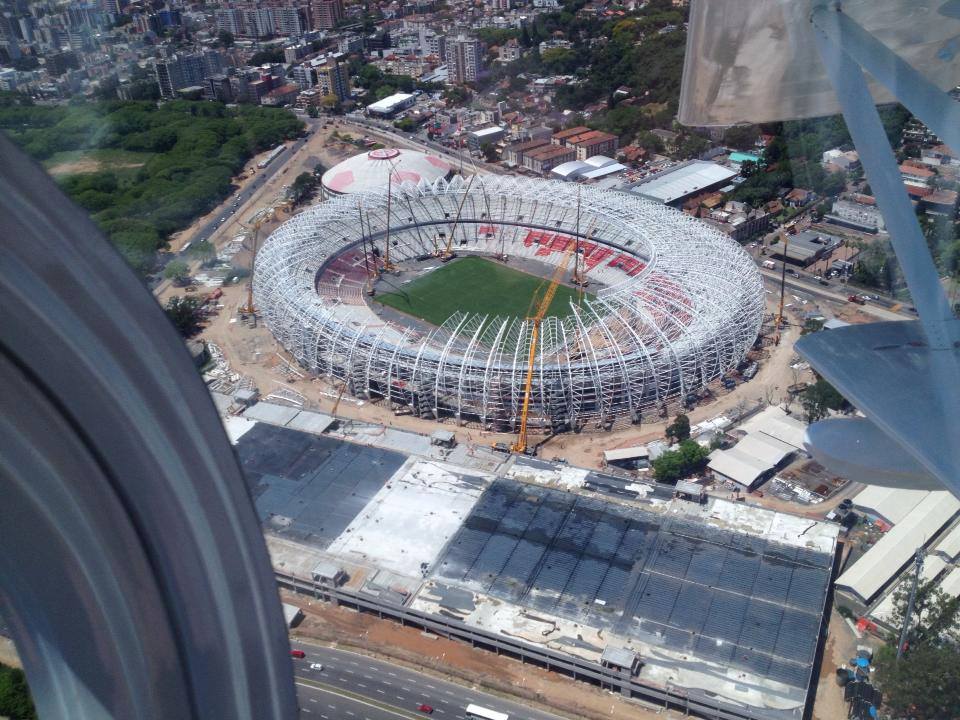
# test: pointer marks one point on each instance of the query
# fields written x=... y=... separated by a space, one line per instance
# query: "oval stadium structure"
x=672 y=304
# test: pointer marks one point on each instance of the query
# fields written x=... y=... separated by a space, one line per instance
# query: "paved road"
x=356 y=687
x=228 y=208
x=834 y=292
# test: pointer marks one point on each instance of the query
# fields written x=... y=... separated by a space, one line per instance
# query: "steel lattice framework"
x=674 y=305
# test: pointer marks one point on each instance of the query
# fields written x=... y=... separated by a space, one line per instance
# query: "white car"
x=316 y=666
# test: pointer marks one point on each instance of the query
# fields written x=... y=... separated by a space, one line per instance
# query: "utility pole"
x=905 y=630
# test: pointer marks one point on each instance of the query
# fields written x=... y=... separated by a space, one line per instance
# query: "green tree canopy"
x=15 y=700
x=185 y=314
x=820 y=398
x=679 y=429
x=177 y=270
x=673 y=465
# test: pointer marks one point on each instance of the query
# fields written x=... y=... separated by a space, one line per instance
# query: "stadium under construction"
x=670 y=304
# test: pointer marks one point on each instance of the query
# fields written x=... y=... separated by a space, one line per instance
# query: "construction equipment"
x=908 y=616
x=447 y=253
x=261 y=218
x=783 y=288
x=543 y=306
x=336 y=403
x=387 y=265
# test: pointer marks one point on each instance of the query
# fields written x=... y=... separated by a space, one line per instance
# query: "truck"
x=769 y=264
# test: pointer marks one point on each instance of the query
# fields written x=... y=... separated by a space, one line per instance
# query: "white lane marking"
x=349 y=671
x=361 y=685
x=431 y=687
x=392 y=674
x=387 y=682
x=405 y=688
x=332 y=707
x=372 y=668
x=313 y=699
x=381 y=691
x=368 y=677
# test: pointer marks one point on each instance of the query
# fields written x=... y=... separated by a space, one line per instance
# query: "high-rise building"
x=464 y=60
x=325 y=14
x=333 y=78
x=230 y=20
x=182 y=71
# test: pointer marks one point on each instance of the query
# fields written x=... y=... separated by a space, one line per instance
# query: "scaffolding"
x=676 y=303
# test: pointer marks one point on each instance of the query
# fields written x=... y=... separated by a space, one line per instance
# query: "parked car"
x=299 y=654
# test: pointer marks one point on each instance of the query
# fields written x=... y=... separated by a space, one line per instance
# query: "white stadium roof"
x=371 y=170
x=893 y=551
x=684 y=180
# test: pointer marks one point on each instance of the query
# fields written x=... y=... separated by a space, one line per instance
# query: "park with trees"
x=187 y=155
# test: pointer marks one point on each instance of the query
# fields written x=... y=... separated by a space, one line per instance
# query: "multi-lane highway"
x=357 y=687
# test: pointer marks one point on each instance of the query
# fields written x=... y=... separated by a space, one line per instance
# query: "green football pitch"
x=474 y=285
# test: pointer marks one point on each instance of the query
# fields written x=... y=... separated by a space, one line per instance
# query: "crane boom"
x=448 y=250
x=542 y=307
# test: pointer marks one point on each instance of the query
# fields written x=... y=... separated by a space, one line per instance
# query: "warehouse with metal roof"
x=751 y=460
x=889 y=504
x=884 y=561
x=673 y=186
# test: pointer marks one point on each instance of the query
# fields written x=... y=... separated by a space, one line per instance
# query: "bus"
x=475 y=712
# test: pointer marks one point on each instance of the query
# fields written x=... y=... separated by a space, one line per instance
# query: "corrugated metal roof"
x=765 y=448
x=570 y=170
x=628 y=453
x=737 y=466
x=776 y=423
x=683 y=181
x=884 y=611
x=951 y=583
x=887 y=503
x=885 y=559
x=949 y=546
x=604 y=171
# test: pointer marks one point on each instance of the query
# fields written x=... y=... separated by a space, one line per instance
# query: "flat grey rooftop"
x=733 y=599
x=309 y=488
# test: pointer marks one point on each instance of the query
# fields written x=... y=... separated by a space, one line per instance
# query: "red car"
x=299 y=654
x=425 y=708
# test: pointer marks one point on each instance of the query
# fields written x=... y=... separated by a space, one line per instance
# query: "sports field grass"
x=474 y=285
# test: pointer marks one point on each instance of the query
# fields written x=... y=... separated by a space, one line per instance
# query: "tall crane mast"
x=249 y=309
x=448 y=250
x=783 y=287
x=541 y=310
x=908 y=616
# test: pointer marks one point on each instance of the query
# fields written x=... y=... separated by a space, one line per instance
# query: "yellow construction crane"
x=543 y=306
x=249 y=309
x=448 y=250
x=783 y=288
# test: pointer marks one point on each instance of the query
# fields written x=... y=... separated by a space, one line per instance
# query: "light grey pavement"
x=358 y=687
